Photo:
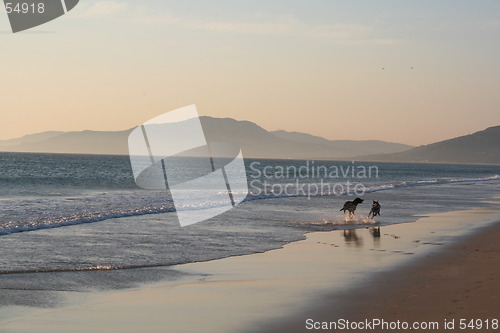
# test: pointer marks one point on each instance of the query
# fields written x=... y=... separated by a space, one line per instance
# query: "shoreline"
x=253 y=292
x=459 y=282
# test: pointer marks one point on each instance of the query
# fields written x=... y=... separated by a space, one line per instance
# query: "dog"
x=350 y=206
x=375 y=209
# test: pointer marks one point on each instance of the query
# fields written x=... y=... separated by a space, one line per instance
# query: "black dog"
x=375 y=209
x=350 y=206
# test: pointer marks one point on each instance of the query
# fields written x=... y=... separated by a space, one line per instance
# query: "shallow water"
x=248 y=293
x=83 y=214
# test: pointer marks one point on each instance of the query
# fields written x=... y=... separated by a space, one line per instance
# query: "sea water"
x=82 y=219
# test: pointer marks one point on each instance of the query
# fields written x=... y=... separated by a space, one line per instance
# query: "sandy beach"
x=442 y=266
x=462 y=282
x=459 y=284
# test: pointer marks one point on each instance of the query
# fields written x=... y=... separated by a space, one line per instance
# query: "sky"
x=412 y=72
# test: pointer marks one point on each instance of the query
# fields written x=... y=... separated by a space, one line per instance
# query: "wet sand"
x=328 y=275
x=462 y=282
x=459 y=283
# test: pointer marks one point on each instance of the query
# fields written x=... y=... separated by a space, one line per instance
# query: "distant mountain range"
x=253 y=140
x=481 y=147
x=257 y=142
x=345 y=148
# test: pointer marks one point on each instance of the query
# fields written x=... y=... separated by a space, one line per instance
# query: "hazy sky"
x=312 y=65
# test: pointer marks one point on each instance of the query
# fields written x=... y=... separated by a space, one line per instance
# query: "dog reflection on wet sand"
x=351 y=238
x=375 y=232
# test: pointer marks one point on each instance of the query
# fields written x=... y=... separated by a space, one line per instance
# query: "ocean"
x=83 y=219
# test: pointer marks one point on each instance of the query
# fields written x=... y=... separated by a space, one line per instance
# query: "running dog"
x=375 y=209
x=350 y=206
